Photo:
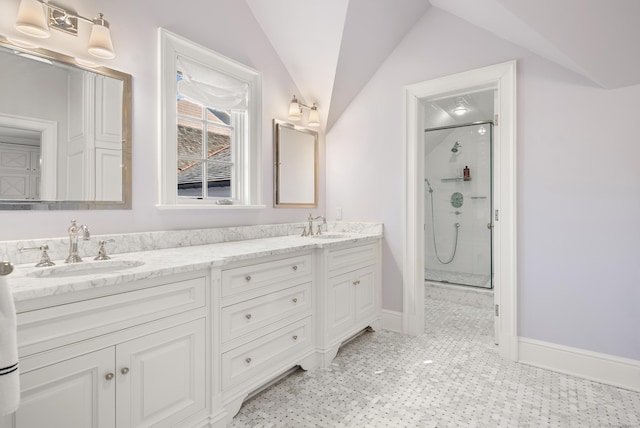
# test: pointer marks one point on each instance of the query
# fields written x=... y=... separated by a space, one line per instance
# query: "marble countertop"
x=28 y=282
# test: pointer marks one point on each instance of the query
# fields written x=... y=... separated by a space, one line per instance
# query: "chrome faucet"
x=310 y=220
x=75 y=230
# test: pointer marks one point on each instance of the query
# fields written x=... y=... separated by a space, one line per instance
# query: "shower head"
x=455 y=147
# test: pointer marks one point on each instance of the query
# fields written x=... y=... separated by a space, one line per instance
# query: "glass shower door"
x=458 y=204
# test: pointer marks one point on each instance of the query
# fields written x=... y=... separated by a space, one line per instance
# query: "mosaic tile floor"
x=451 y=376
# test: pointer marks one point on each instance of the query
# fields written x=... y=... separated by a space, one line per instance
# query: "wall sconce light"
x=35 y=18
x=295 y=112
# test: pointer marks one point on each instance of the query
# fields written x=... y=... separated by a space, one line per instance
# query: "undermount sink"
x=85 y=268
x=330 y=236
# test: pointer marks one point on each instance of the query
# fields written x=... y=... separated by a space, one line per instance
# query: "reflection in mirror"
x=296 y=166
x=64 y=132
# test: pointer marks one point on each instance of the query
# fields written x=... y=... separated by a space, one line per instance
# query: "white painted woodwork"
x=350 y=295
x=267 y=323
x=49 y=327
x=108 y=174
x=160 y=377
x=258 y=278
x=245 y=317
x=94 y=149
x=80 y=143
x=19 y=171
x=270 y=353
x=186 y=350
x=74 y=393
x=501 y=77
x=351 y=300
x=108 y=119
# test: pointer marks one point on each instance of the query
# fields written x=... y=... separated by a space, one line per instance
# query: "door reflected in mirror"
x=296 y=166
x=64 y=132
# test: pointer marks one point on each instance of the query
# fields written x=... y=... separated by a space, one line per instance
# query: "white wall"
x=578 y=183
x=226 y=26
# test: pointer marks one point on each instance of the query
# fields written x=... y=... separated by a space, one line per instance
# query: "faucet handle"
x=45 y=260
x=102 y=251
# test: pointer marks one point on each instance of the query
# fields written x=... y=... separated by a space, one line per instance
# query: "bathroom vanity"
x=181 y=336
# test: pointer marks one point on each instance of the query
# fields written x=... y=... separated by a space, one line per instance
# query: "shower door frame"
x=462 y=125
x=502 y=78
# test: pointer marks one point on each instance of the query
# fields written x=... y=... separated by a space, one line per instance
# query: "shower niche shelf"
x=445 y=180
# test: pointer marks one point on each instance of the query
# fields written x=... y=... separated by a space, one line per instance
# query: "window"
x=210 y=128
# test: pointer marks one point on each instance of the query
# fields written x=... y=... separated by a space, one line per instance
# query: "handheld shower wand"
x=428 y=185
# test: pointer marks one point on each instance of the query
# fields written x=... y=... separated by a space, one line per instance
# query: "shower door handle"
x=489 y=226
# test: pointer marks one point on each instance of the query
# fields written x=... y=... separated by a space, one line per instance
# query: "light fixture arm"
x=68 y=12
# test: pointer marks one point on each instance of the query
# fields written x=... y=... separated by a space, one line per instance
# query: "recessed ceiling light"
x=461 y=107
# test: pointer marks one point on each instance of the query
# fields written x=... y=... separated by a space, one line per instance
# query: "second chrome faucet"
x=74 y=231
x=309 y=231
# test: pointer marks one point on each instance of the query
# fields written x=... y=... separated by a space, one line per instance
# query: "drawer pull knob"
x=248 y=360
x=295 y=267
x=295 y=300
x=124 y=370
x=248 y=316
x=295 y=337
x=247 y=278
x=356 y=282
x=109 y=376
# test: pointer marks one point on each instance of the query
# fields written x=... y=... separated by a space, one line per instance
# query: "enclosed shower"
x=458 y=204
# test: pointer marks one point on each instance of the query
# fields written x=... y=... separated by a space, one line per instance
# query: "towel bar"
x=5 y=268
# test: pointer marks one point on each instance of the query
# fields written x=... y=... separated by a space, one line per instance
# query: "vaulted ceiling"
x=332 y=48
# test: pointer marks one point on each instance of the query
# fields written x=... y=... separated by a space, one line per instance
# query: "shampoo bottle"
x=467 y=174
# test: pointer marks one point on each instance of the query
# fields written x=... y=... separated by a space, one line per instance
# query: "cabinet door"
x=75 y=393
x=340 y=305
x=366 y=299
x=161 y=376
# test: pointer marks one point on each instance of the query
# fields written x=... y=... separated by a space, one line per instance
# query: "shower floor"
x=460 y=278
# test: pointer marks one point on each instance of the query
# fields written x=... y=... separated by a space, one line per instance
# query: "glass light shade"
x=31 y=19
x=314 y=117
x=100 y=44
x=294 y=109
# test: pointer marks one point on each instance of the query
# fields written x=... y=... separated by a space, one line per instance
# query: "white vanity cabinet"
x=266 y=323
x=132 y=359
x=350 y=296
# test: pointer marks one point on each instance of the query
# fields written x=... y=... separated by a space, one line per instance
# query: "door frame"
x=502 y=78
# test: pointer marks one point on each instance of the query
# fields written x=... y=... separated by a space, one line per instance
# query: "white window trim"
x=249 y=159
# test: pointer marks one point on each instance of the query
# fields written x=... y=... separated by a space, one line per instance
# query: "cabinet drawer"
x=268 y=354
x=269 y=276
x=251 y=315
x=346 y=259
x=59 y=325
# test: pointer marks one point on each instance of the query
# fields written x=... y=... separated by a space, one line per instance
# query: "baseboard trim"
x=604 y=368
x=392 y=321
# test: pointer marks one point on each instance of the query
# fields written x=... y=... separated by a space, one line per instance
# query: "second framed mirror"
x=295 y=166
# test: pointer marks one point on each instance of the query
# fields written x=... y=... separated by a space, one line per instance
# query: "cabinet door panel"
x=340 y=309
x=72 y=394
x=366 y=300
x=164 y=377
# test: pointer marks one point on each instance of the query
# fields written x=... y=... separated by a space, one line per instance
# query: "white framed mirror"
x=65 y=132
x=295 y=166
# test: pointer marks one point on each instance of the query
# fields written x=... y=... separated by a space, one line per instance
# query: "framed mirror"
x=65 y=132
x=296 y=166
